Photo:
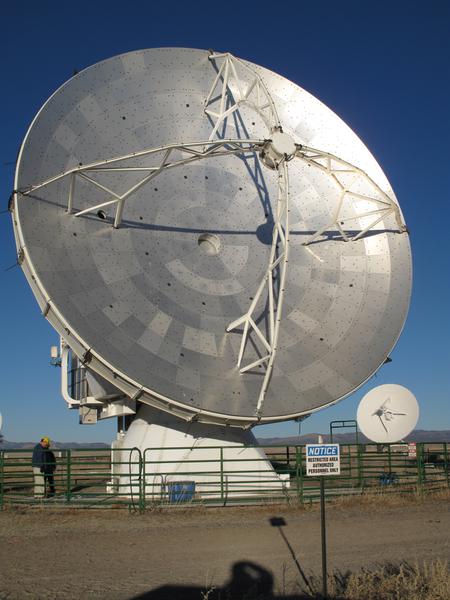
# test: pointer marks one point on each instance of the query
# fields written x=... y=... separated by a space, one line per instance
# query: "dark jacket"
x=44 y=459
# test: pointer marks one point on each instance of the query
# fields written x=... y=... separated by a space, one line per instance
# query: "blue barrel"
x=181 y=491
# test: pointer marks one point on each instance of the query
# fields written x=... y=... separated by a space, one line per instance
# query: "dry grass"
x=381 y=499
x=369 y=501
x=426 y=581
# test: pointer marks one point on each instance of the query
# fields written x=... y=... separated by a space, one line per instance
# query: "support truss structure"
x=338 y=170
x=165 y=157
x=236 y=85
x=273 y=283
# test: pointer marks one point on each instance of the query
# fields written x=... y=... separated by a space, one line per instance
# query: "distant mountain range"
x=6 y=445
x=418 y=435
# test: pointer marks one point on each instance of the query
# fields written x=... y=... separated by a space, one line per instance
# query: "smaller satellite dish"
x=388 y=413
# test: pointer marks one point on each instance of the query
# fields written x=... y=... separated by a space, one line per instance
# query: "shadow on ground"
x=249 y=581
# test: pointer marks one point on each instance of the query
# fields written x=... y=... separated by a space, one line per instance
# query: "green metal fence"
x=83 y=477
x=218 y=475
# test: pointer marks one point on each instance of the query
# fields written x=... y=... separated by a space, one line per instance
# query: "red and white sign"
x=412 y=450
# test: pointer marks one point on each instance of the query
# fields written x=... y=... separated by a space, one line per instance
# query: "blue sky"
x=381 y=66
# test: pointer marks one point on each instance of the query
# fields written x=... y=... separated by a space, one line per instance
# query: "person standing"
x=49 y=469
x=44 y=465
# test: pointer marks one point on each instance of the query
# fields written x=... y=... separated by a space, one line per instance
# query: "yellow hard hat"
x=46 y=439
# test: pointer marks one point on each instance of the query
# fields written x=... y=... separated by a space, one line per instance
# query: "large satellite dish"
x=388 y=413
x=210 y=238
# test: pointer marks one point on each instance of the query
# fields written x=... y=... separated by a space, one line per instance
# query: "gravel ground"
x=114 y=555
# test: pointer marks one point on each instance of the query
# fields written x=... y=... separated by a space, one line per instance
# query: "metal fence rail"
x=90 y=477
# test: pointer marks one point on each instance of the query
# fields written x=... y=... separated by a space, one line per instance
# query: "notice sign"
x=323 y=459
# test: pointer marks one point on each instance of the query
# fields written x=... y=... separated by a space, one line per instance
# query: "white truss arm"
x=273 y=283
x=335 y=167
x=191 y=152
x=237 y=84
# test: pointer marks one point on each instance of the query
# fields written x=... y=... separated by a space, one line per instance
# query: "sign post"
x=323 y=460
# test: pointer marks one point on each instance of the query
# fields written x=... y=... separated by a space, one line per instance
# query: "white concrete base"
x=215 y=458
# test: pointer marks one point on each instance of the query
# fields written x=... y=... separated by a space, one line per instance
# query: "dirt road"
x=121 y=556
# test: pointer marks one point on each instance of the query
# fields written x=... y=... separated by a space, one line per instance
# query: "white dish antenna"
x=210 y=238
x=388 y=413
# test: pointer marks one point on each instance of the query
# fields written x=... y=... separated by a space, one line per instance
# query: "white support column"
x=221 y=462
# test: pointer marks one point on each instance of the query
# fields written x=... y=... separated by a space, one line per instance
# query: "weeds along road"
x=116 y=555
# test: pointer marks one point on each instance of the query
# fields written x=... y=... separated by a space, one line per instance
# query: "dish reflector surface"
x=148 y=304
x=388 y=413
